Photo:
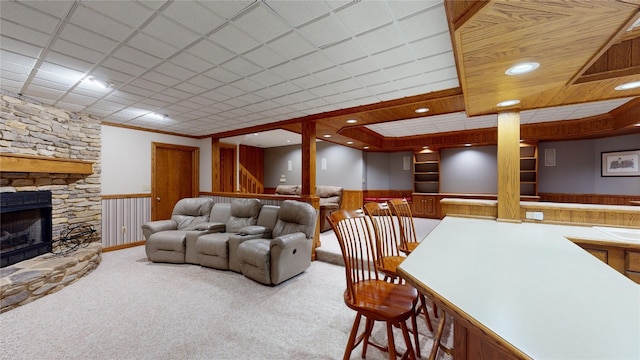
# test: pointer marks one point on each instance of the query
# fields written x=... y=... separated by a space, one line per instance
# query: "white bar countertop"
x=532 y=287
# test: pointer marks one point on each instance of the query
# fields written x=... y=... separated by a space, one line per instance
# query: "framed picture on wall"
x=621 y=163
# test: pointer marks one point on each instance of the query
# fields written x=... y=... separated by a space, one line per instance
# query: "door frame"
x=234 y=169
x=195 y=170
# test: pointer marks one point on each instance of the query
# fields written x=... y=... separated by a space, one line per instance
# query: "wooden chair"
x=402 y=211
x=366 y=293
x=388 y=256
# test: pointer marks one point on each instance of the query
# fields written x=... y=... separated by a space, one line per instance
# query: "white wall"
x=126 y=159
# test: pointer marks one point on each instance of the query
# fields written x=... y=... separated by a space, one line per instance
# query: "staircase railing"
x=249 y=183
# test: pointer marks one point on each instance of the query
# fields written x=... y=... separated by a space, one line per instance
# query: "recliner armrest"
x=253 y=230
x=210 y=226
x=289 y=240
x=152 y=227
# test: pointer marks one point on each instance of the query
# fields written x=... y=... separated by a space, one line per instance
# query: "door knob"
x=157 y=199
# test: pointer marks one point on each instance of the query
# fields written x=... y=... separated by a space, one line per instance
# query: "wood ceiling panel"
x=561 y=35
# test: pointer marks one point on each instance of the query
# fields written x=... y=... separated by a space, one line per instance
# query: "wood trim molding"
x=124 y=196
x=41 y=164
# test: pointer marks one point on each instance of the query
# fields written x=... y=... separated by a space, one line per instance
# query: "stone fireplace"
x=25 y=226
x=47 y=149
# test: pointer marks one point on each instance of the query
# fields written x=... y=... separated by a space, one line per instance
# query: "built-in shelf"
x=426 y=172
x=41 y=164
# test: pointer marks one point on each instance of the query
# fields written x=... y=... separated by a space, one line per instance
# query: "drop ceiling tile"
x=9 y=75
x=234 y=39
x=266 y=78
x=79 y=52
x=59 y=73
x=230 y=90
x=179 y=109
x=246 y=85
x=285 y=88
x=131 y=13
x=148 y=85
x=261 y=22
x=341 y=86
x=316 y=32
x=159 y=78
x=296 y=13
x=307 y=82
x=212 y=53
x=100 y=24
x=70 y=106
x=382 y=88
x=393 y=57
x=123 y=66
x=403 y=70
x=205 y=82
x=47 y=83
x=137 y=57
x=214 y=95
x=389 y=95
x=191 y=62
x=136 y=90
x=167 y=30
x=345 y=51
x=151 y=45
x=288 y=71
x=190 y=88
x=61 y=59
x=372 y=78
x=23 y=33
x=363 y=16
x=107 y=106
x=360 y=66
x=13 y=58
x=250 y=98
x=381 y=39
x=58 y=8
x=43 y=92
x=197 y=102
x=86 y=38
x=314 y=62
x=424 y=24
x=431 y=46
x=291 y=46
x=164 y=98
x=19 y=47
x=223 y=75
x=111 y=75
x=332 y=74
x=445 y=84
x=265 y=57
x=401 y=9
x=194 y=16
x=175 y=71
x=22 y=14
x=123 y=98
x=241 y=67
x=442 y=74
x=154 y=104
x=227 y=9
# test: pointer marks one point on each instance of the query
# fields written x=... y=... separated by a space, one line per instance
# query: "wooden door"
x=228 y=168
x=174 y=176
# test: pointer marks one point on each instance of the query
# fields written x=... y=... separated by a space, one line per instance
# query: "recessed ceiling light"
x=349 y=142
x=422 y=110
x=638 y=124
x=522 y=68
x=467 y=144
x=366 y=147
x=352 y=121
x=628 y=86
x=508 y=103
x=327 y=136
x=425 y=147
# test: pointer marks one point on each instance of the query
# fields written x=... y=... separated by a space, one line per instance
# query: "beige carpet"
x=129 y=308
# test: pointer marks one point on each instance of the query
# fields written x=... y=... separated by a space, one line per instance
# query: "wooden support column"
x=308 y=191
x=509 y=166
x=216 y=184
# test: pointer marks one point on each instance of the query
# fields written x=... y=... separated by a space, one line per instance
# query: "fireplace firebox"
x=25 y=225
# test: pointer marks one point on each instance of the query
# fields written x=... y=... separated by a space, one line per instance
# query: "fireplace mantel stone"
x=41 y=164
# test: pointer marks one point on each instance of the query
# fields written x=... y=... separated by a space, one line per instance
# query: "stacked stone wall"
x=30 y=128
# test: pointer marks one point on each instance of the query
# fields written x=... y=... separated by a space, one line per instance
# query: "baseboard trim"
x=123 y=246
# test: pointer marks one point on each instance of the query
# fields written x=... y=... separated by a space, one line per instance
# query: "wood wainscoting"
x=604 y=199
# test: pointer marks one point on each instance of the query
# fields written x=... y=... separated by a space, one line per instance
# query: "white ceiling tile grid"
x=215 y=66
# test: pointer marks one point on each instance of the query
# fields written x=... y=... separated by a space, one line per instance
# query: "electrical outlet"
x=124 y=230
